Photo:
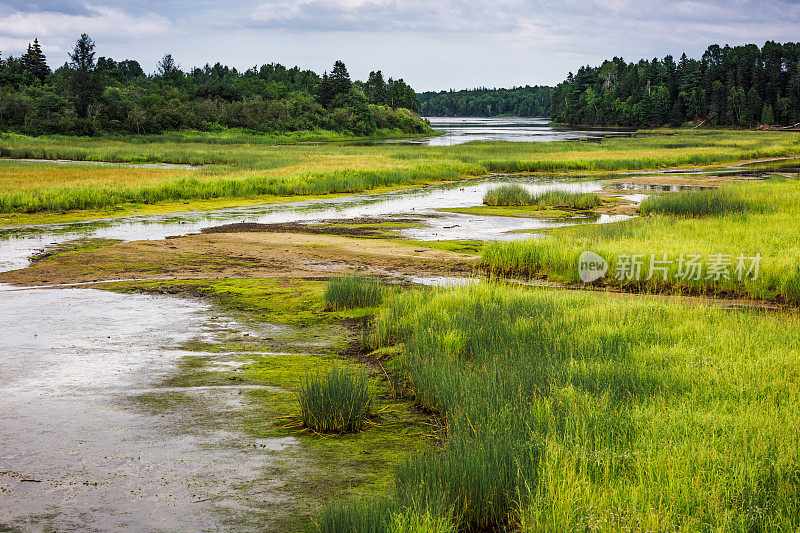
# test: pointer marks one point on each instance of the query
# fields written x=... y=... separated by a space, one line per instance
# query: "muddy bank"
x=84 y=446
x=355 y=227
x=262 y=254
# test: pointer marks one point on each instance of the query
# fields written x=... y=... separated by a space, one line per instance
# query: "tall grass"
x=516 y=195
x=695 y=203
x=571 y=412
x=58 y=199
x=335 y=401
x=245 y=167
x=508 y=195
x=767 y=228
x=350 y=290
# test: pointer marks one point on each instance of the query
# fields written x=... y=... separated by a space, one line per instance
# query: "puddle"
x=77 y=451
x=621 y=186
x=443 y=281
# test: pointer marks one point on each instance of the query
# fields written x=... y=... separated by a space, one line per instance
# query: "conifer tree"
x=340 y=79
x=34 y=62
x=767 y=115
x=84 y=82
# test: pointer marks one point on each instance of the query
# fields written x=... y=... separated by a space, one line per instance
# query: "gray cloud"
x=70 y=7
x=432 y=44
x=386 y=15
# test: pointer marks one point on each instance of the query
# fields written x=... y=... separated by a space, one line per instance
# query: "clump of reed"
x=516 y=195
x=351 y=290
x=381 y=515
x=695 y=204
x=337 y=400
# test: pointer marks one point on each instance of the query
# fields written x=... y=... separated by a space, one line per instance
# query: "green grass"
x=516 y=195
x=508 y=195
x=768 y=228
x=351 y=290
x=247 y=166
x=701 y=203
x=381 y=515
x=590 y=412
x=334 y=401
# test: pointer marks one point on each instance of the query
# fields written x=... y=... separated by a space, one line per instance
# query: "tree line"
x=518 y=101
x=728 y=86
x=88 y=96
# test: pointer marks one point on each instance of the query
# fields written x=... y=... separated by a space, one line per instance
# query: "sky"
x=432 y=45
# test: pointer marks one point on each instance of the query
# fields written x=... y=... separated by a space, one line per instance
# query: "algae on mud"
x=270 y=367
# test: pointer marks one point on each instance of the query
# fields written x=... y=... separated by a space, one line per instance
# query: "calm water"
x=17 y=244
x=459 y=130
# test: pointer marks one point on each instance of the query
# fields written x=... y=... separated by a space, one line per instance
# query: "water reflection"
x=459 y=130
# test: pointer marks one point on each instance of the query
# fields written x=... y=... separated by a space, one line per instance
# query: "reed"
x=351 y=290
x=701 y=203
x=243 y=166
x=765 y=228
x=516 y=195
x=590 y=412
x=337 y=400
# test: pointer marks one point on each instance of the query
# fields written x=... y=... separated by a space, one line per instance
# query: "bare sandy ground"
x=259 y=254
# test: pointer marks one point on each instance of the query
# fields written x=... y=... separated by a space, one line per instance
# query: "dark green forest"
x=88 y=96
x=728 y=86
x=518 y=102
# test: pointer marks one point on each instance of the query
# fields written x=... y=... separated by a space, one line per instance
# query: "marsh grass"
x=351 y=289
x=508 y=195
x=244 y=167
x=516 y=195
x=82 y=197
x=337 y=400
x=703 y=203
x=767 y=228
x=569 y=412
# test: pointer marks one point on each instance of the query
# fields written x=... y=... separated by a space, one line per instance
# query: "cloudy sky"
x=438 y=44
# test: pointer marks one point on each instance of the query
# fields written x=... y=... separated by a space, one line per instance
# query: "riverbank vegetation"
x=516 y=102
x=697 y=203
x=89 y=96
x=733 y=86
x=760 y=234
x=586 y=412
x=516 y=195
x=243 y=168
x=337 y=400
x=350 y=290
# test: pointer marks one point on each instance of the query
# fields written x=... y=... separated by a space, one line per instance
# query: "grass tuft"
x=351 y=290
x=516 y=195
x=695 y=204
x=335 y=401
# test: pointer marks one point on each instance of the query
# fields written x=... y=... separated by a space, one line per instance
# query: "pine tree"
x=34 y=62
x=340 y=79
x=753 y=107
x=85 y=84
x=325 y=91
x=767 y=116
x=167 y=68
x=375 y=88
